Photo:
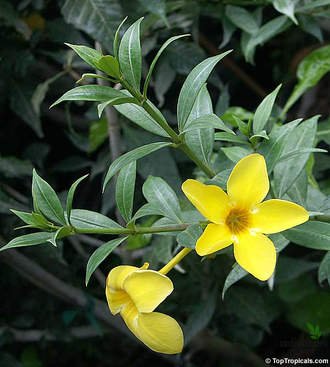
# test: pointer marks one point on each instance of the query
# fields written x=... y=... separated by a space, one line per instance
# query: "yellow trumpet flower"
x=135 y=293
x=240 y=217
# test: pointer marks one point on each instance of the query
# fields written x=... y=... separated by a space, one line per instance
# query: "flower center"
x=238 y=221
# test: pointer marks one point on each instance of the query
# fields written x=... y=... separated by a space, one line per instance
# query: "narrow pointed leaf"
x=100 y=255
x=130 y=157
x=114 y=102
x=47 y=200
x=125 y=190
x=286 y=7
x=69 y=199
x=116 y=39
x=28 y=240
x=61 y=232
x=81 y=218
x=146 y=209
x=130 y=58
x=242 y=19
x=230 y=138
x=89 y=55
x=207 y=121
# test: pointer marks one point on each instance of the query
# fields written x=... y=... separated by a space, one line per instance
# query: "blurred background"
x=48 y=317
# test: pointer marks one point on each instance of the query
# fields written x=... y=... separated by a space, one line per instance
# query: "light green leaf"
x=89 y=55
x=235 y=154
x=47 y=201
x=272 y=149
x=125 y=190
x=311 y=69
x=69 y=199
x=189 y=237
x=110 y=66
x=264 y=110
x=230 y=138
x=301 y=137
x=116 y=38
x=313 y=234
x=206 y=121
x=153 y=64
x=242 y=19
x=28 y=240
x=193 y=85
x=81 y=218
x=130 y=157
x=130 y=58
x=242 y=126
x=238 y=112
x=61 y=232
x=100 y=255
x=98 y=18
x=139 y=116
x=286 y=7
x=115 y=101
x=160 y=194
x=90 y=93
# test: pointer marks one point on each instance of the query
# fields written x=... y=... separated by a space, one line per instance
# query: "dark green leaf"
x=242 y=19
x=28 y=240
x=132 y=156
x=81 y=218
x=125 y=190
x=193 y=85
x=324 y=269
x=130 y=58
x=69 y=199
x=189 y=237
x=46 y=199
x=146 y=209
x=100 y=255
x=236 y=274
x=313 y=234
x=115 y=102
x=61 y=232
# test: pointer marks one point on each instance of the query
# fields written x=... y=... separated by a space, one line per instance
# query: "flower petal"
x=248 y=183
x=214 y=238
x=274 y=216
x=116 y=300
x=160 y=332
x=210 y=200
x=256 y=254
x=147 y=289
x=118 y=275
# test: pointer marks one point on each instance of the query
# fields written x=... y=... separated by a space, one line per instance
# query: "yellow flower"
x=135 y=293
x=239 y=217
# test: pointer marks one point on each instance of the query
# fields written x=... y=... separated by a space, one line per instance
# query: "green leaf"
x=264 y=110
x=153 y=64
x=89 y=55
x=125 y=190
x=98 y=133
x=242 y=19
x=310 y=327
x=189 y=237
x=286 y=7
x=130 y=58
x=310 y=25
x=324 y=269
x=272 y=149
x=139 y=116
x=310 y=70
x=94 y=76
x=235 y=154
x=301 y=137
x=100 y=255
x=114 y=102
x=313 y=337
x=130 y=157
x=156 y=7
x=146 y=209
x=28 y=240
x=90 y=93
x=237 y=273
x=298 y=152
x=40 y=221
x=313 y=234
x=201 y=140
x=206 y=121
x=116 y=39
x=220 y=179
x=110 y=66
x=242 y=126
x=81 y=218
x=47 y=201
x=230 y=138
x=69 y=199
x=193 y=85
x=314 y=4
x=265 y=33
x=98 y=18
x=160 y=194
x=25 y=217
x=317 y=329
x=289 y=268
x=260 y=134
x=234 y=112
x=298 y=191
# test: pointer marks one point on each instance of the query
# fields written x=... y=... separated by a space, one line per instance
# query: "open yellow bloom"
x=239 y=217
x=135 y=293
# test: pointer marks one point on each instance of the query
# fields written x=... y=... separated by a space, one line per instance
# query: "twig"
x=230 y=64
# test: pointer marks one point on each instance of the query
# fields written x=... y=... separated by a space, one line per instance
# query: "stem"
x=176 y=259
x=135 y=231
x=174 y=136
